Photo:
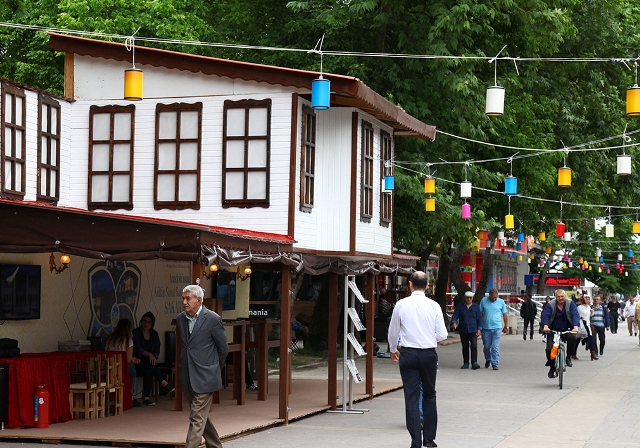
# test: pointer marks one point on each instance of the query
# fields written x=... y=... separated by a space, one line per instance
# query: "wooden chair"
x=102 y=372
x=115 y=385
x=82 y=395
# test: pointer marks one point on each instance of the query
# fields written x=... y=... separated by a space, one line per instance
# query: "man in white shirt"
x=417 y=326
x=629 y=313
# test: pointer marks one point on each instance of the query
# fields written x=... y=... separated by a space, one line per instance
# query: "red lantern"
x=560 y=229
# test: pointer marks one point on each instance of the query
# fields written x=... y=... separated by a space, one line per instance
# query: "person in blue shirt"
x=560 y=315
x=467 y=320
x=495 y=321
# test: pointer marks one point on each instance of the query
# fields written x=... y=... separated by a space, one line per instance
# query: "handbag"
x=582 y=331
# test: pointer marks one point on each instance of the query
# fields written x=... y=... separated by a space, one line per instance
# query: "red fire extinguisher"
x=41 y=407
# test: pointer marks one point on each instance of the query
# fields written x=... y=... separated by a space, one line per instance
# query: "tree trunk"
x=454 y=270
x=542 y=280
x=487 y=271
x=442 y=282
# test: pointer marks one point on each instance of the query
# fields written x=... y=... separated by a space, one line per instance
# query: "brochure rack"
x=351 y=346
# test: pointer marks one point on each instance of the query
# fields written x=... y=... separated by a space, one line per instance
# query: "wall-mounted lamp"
x=247 y=273
x=64 y=260
x=213 y=269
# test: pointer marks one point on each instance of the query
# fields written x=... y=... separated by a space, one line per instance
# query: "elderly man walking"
x=417 y=325
x=495 y=321
x=204 y=349
x=629 y=313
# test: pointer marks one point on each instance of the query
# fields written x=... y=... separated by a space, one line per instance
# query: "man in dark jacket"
x=560 y=315
x=528 y=312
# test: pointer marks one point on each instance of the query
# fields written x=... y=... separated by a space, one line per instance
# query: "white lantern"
x=465 y=190
x=624 y=165
x=495 y=101
x=608 y=230
x=500 y=235
x=598 y=253
x=567 y=236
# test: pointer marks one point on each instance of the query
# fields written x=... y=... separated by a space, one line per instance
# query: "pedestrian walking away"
x=204 y=350
x=560 y=315
x=417 y=323
x=467 y=320
x=614 y=311
x=494 y=323
x=528 y=311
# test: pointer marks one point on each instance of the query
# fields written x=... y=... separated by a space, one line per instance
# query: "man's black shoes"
x=552 y=372
x=569 y=363
x=430 y=443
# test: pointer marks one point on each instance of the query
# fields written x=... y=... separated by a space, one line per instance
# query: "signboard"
x=262 y=310
x=552 y=280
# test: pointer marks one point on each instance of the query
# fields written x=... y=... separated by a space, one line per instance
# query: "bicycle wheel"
x=561 y=365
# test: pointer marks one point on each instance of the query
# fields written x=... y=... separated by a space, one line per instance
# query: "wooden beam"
x=69 y=74
x=369 y=343
x=332 y=342
x=285 y=343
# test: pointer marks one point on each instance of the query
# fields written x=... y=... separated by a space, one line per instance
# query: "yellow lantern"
x=430 y=205
x=531 y=256
x=430 y=185
x=547 y=250
x=564 y=177
x=519 y=257
x=133 y=84
x=508 y=222
x=636 y=227
x=542 y=236
x=633 y=101
x=580 y=260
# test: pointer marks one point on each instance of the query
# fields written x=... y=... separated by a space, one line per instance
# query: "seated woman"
x=146 y=347
x=121 y=340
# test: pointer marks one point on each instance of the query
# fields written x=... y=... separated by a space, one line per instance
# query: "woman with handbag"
x=585 y=311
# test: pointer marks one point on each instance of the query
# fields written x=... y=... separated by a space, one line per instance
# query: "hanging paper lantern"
x=483 y=235
x=598 y=253
x=629 y=253
x=583 y=268
x=532 y=256
x=430 y=185
x=570 y=264
x=580 y=260
x=624 y=165
x=518 y=246
x=608 y=271
x=495 y=101
x=564 y=177
x=626 y=274
x=133 y=80
x=635 y=265
x=633 y=101
x=619 y=257
x=389 y=184
x=608 y=230
x=466 y=211
x=430 y=205
x=636 y=227
x=320 y=93
x=511 y=185
x=542 y=236
x=501 y=235
x=601 y=259
x=465 y=190
x=560 y=227
x=633 y=259
x=520 y=237
x=567 y=236
x=547 y=250
x=508 y=221
x=617 y=265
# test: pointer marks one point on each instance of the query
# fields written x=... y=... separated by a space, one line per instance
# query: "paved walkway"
x=516 y=406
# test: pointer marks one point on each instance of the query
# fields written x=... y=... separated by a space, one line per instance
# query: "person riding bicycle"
x=559 y=315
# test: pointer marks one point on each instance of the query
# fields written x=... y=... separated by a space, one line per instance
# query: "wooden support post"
x=369 y=343
x=285 y=343
x=332 y=342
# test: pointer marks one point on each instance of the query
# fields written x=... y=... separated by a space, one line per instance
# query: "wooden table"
x=263 y=344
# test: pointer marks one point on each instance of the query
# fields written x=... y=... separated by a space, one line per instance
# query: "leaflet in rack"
x=354 y=371
x=356 y=319
x=356 y=344
x=356 y=292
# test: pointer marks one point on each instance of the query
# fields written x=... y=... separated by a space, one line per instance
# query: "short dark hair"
x=419 y=280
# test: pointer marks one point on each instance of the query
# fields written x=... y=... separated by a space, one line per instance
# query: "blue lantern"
x=601 y=259
x=629 y=253
x=634 y=265
x=518 y=246
x=389 y=183
x=320 y=93
x=511 y=185
x=520 y=237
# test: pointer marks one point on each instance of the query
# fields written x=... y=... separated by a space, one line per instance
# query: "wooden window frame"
x=308 y=159
x=386 y=169
x=112 y=110
x=51 y=166
x=8 y=155
x=366 y=173
x=247 y=105
x=177 y=204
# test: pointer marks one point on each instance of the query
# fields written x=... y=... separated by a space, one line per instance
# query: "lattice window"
x=366 y=177
x=386 y=169
x=48 y=149
x=308 y=159
x=14 y=145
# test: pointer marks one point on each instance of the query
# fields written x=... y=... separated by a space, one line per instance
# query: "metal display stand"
x=351 y=346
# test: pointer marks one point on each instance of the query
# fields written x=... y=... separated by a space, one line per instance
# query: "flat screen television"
x=19 y=291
